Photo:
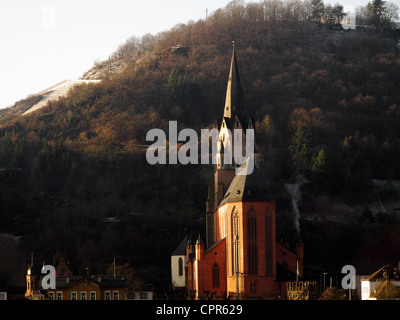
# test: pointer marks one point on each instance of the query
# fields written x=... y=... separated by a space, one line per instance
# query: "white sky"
x=43 y=42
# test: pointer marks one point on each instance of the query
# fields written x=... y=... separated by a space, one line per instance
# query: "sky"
x=43 y=42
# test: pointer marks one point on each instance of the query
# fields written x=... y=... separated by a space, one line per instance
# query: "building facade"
x=75 y=287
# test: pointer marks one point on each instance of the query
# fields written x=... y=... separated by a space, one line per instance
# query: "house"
x=364 y=269
x=383 y=284
x=240 y=257
x=75 y=287
x=105 y=287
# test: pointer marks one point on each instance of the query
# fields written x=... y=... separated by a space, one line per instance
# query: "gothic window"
x=253 y=287
x=268 y=242
x=252 y=241
x=180 y=266
x=215 y=275
x=235 y=241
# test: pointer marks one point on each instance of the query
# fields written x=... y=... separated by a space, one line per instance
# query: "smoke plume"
x=295 y=193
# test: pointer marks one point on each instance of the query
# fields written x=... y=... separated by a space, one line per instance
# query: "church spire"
x=234 y=102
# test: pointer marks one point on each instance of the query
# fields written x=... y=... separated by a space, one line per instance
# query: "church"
x=240 y=257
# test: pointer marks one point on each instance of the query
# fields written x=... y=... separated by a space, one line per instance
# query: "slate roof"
x=285 y=275
x=390 y=270
x=12 y=263
x=181 y=248
x=386 y=290
x=247 y=187
x=103 y=281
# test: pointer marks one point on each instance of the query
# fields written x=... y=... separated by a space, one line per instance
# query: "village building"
x=383 y=284
x=75 y=287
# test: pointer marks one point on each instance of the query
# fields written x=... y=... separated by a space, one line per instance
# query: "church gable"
x=213 y=265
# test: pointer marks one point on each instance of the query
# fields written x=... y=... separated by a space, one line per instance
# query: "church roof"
x=234 y=101
x=247 y=187
x=284 y=274
x=181 y=248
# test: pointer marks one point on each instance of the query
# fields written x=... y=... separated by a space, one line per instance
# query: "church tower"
x=239 y=208
x=235 y=120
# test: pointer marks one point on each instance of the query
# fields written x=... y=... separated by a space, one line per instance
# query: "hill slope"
x=326 y=104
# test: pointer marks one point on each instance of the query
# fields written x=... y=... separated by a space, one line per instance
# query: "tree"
x=338 y=13
x=300 y=150
x=319 y=161
x=333 y=294
x=375 y=13
x=318 y=9
x=134 y=282
x=273 y=9
x=381 y=15
x=391 y=12
x=266 y=128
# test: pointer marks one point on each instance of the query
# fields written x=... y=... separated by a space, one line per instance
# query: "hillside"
x=327 y=107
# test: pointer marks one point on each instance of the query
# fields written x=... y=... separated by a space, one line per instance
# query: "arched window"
x=215 y=275
x=252 y=241
x=180 y=266
x=235 y=241
x=268 y=242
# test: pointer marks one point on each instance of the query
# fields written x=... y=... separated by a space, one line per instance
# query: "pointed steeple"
x=234 y=102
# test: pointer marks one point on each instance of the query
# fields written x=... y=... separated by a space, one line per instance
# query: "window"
x=143 y=295
x=83 y=295
x=252 y=241
x=180 y=266
x=59 y=296
x=115 y=295
x=74 y=295
x=215 y=275
x=92 y=295
x=253 y=287
x=268 y=242
x=51 y=295
x=235 y=241
x=107 y=295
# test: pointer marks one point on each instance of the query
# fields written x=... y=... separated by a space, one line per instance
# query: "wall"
x=176 y=279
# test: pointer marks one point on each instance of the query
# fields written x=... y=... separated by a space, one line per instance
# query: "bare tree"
x=255 y=11
x=391 y=12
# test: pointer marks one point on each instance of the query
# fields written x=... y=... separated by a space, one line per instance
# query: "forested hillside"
x=74 y=176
